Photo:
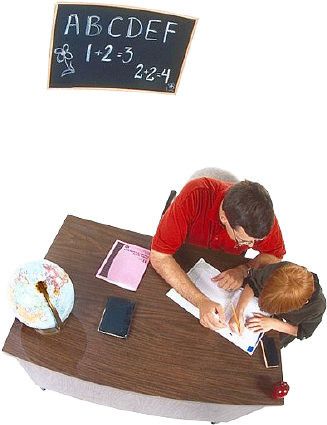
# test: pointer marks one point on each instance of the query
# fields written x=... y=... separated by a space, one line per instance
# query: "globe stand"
x=51 y=331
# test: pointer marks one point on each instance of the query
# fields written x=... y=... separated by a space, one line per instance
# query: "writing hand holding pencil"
x=236 y=322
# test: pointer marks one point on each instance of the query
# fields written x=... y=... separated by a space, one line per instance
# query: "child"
x=290 y=293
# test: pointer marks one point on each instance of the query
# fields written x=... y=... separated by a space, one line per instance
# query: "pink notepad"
x=124 y=265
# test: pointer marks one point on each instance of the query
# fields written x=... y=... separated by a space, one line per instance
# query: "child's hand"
x=260 y=323
x=235 y=327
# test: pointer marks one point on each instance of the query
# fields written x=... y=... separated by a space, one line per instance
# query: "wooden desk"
x=169 y=365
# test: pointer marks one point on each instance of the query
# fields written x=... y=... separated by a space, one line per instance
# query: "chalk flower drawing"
x=64 y=55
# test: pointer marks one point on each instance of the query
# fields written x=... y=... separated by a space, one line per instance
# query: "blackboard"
x=118 y=47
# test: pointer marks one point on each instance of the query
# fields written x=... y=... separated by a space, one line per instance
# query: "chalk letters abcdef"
x=130 y=28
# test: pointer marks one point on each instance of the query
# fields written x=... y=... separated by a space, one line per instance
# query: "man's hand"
x=212 y=315
x=231 y=279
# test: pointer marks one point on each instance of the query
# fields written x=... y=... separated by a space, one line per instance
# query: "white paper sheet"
x=201 y=274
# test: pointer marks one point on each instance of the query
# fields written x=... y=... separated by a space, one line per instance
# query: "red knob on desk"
x=280 y=390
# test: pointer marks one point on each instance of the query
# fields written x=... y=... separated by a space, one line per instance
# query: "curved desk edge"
x=135 y=402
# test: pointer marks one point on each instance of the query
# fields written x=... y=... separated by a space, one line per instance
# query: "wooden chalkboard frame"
x=123 y=7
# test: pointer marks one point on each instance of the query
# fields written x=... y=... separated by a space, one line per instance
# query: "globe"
x=42 y=295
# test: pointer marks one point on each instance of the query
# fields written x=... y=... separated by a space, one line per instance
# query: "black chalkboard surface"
x=117 y=47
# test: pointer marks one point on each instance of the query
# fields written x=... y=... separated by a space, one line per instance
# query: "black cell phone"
x=269 y=350
x=116 y=317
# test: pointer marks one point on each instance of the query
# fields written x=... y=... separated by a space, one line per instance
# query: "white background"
x=252 y=99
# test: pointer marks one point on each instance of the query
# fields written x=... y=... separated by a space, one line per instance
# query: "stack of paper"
x=201 y=274
x=124 y=265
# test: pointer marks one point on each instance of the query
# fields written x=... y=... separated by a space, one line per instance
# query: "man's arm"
x=211 y=313
x=262 y=260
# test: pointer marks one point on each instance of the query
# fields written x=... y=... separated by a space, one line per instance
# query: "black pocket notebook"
x=116 y=317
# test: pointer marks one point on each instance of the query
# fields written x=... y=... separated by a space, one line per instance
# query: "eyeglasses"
x=240 y=242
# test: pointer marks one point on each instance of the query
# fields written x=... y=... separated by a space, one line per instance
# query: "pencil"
x=236 y=318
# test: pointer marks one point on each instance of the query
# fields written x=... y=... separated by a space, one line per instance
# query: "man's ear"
x=222 y=216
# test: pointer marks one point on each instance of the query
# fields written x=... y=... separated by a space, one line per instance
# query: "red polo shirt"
x=193 y=218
